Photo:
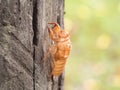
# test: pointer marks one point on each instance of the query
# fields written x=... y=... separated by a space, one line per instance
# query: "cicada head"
x=54 y=31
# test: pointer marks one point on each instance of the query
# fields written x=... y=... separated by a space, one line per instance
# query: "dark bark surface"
x=24 y=41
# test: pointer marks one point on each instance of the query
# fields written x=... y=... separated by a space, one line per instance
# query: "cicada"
x=60 y=49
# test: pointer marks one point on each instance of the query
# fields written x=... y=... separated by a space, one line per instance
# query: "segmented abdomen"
x=60 y=57
x=58 y=67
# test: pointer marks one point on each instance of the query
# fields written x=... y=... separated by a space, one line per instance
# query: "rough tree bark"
x=24 y=40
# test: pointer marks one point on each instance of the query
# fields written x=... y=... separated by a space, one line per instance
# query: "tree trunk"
x=24 y=41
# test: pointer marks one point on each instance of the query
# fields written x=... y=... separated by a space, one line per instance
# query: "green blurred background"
x=94 y=62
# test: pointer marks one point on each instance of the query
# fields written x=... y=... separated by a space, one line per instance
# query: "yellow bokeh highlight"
x=103 y=41
x=119 y=7
x=116 y=80
x=91 y=84
x=116 y=77
x=83 y=12
x=100 y=8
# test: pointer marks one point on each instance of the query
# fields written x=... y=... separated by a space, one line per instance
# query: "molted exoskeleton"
x=60 y=49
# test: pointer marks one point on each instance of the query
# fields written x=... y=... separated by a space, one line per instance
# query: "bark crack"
x=34 y=69
x=35 y=37
x=35 y=22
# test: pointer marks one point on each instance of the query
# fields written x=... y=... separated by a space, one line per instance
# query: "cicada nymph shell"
x=60 y=49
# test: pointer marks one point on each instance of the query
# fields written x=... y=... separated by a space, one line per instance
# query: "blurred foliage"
x=94 y=63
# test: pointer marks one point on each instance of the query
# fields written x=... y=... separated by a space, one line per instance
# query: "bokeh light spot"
x=103 y=41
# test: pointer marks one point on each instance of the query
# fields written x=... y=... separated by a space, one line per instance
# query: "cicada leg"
x=53 y=65
x=51 y=51
x=54 y=24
